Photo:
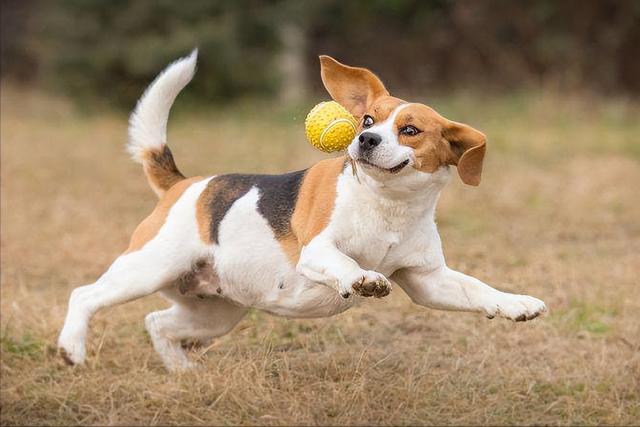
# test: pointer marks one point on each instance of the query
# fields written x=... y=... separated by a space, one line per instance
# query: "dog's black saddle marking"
x=278 y=196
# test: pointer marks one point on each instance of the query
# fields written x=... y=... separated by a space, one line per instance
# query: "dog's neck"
x=414 y=190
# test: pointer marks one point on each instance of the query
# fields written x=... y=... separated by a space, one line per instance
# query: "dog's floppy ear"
x=354 y=88
x=469 y=147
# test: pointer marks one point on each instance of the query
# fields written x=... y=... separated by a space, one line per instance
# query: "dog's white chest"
x=371 y=230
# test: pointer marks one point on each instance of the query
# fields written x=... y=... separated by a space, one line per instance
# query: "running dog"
x=310 y=243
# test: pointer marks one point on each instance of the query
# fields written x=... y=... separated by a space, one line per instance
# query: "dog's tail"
x=148 y=124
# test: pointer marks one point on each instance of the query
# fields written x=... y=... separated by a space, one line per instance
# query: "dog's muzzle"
x=367 y=141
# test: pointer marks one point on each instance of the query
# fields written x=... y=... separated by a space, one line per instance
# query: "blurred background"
x=108 y=50
x=554 y=84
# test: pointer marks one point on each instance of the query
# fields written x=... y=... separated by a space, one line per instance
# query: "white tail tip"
x=148 y=122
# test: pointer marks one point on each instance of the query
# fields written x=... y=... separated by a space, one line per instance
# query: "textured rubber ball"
x=330 y=127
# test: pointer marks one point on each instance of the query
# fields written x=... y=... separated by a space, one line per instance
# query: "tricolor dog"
x=311 y=243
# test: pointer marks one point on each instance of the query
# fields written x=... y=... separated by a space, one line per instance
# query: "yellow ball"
x=330 y=127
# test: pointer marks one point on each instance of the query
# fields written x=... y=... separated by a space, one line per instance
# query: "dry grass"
x=557 y=216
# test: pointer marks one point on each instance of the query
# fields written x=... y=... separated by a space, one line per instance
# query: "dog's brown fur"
x=161 y=170
x=314 y=206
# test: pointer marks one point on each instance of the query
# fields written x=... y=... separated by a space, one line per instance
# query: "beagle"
x=310 y=243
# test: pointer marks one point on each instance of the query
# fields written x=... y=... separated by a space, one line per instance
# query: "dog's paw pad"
x=372 y=284
x=69 y=358
x=518 y=308
x=65 y=357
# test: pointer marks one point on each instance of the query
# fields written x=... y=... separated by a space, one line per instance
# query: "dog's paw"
x=372 y=284
x=518 y=308
x=73 y=353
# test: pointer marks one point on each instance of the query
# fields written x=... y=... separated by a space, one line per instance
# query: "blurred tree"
x=112 y=49
x=503 y=44
x=17 y=59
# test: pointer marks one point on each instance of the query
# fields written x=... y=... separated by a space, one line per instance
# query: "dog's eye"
x=409 y=130
x=367 y=121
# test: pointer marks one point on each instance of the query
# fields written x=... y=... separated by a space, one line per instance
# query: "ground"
x=556 y=216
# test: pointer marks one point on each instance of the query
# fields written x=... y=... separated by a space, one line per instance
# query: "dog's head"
x=397 y=137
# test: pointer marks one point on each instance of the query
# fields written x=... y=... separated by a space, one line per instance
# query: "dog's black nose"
x=369 y=140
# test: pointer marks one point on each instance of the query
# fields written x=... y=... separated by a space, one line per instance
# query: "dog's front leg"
x=447 y=289
x=322 y=262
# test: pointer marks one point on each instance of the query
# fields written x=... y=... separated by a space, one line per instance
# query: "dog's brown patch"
x=430 y=147
x=291 y=247
x=316 y=199
x=150 y=226
x=161 y=170
x=382 y=108
x=213 y=204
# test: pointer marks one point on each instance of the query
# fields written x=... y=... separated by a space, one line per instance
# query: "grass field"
x=557 y=216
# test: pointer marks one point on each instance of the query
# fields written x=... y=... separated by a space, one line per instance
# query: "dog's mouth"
x=397 y=168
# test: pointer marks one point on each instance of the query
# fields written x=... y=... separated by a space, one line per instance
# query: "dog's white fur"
x=389 y=153
x=148 y=122
x=382 y=226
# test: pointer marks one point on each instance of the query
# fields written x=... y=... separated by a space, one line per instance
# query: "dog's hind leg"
x=155 y=265
x=189 y=319
x=131 y=276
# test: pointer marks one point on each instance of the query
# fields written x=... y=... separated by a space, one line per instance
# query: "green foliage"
x=25 y=346
x=114 y=49
x=499 y=44
x=585 y=317
x=110 y=50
